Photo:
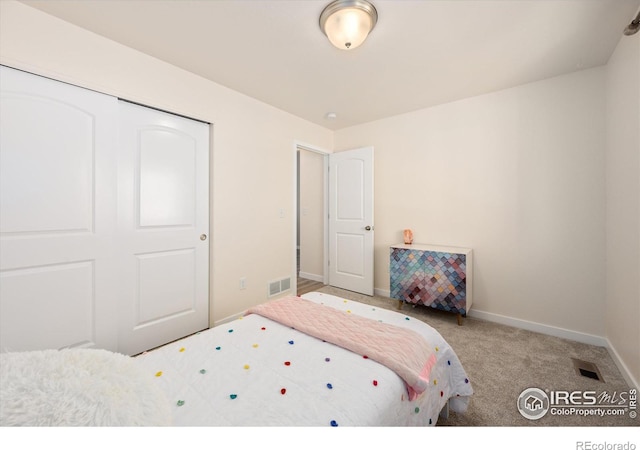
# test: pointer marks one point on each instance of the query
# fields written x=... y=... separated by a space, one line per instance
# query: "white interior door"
x=163 y=223
x=57 y=215
x=351 y=220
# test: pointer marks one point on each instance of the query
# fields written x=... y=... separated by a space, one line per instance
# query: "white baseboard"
x=539 y=328
x=311 y=276
x=622 y=367
x=527 y=325
x=227 y=319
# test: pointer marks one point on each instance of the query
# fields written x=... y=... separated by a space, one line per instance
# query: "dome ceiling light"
x=633 y=27
x=347 y=23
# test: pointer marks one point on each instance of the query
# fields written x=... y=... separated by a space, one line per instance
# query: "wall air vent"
x=278 y=286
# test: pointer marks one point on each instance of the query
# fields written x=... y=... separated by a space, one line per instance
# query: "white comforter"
x=255 y=372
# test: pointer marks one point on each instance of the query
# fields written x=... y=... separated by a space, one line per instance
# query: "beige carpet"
x=503 y=361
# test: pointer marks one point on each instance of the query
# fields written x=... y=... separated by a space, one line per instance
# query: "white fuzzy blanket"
x=78 y=387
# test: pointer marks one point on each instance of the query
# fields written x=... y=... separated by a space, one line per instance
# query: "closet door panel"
x=163 y=225
x=56 y=191
x=166 y=285
x=57 y=214
x=57 y=288
x=167 y=171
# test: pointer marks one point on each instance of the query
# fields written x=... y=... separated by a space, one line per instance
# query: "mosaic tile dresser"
x=435 y=276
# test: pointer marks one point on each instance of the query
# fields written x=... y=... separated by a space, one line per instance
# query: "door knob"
x=368 y=228
x=203 y=237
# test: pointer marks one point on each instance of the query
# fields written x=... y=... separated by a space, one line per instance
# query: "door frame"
x=298 y=146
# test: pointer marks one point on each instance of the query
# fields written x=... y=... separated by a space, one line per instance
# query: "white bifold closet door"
x=99 y=237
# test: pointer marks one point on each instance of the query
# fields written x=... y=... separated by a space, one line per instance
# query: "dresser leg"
x=400 y=303
x=459 y=319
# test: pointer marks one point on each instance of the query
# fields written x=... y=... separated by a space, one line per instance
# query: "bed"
x=277 y=370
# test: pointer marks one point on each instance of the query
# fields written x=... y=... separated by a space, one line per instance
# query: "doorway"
x=311 y=167
x=334 y=247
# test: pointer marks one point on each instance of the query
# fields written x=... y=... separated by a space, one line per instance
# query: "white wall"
x=516 y=175
x=312 y=215
x=623 y=203
x=252 y=146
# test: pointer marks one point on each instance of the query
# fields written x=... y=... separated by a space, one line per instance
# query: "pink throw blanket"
x=402 y=350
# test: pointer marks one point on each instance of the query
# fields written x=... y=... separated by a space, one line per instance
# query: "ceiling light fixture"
x=633 y=27
x=347 y=23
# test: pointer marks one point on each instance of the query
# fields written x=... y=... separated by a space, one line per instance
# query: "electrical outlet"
x=243 y=283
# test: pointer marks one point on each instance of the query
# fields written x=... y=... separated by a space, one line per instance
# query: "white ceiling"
x=421 y=53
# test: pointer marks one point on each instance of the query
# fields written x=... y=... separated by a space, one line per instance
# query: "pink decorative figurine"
x=408 y=236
